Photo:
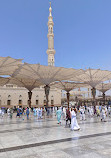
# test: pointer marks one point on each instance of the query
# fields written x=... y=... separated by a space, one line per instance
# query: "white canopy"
x=103 y=87
x=8 y=65
x=3 y=81
x=45 y=74
x=93 y=77
x=77 y=93
x=68 y=86
x=28 y=83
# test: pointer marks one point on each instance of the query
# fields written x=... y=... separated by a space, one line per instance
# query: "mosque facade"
x=11 y=95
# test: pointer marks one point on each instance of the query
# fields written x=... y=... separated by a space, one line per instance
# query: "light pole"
x=68 y=96
x=29 y=96
x=93 y=90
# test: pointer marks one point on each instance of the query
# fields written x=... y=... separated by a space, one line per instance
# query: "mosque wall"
x=10 y=97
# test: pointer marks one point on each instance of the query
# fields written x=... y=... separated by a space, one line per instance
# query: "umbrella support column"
x=47 y=89
x=104 y=98
x=93 y=94
x=30 y=96
x=68 y=96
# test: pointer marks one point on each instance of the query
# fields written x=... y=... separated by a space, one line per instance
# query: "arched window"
x=20 y=96
x=51 y=29
x=9 y=96
x=20 y=102
x=37 y=100
x=9 y=100
x=44 y=102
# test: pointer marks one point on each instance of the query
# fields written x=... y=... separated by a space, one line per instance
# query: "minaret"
x=50 y=50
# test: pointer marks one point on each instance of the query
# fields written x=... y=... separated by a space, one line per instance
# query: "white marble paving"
x=48 y=130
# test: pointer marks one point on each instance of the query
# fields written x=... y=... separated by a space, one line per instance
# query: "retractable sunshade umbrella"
x=8 y=65
x=103 y=87
x=68 y=86
x=93 y=77
x=28 y=83
x=3 y=81
x=45 y=74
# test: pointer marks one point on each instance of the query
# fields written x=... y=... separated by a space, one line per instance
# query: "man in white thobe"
x=82 y=113
x=74 y=124
x=103 y=115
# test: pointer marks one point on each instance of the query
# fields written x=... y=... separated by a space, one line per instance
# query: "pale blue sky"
x=82 y=30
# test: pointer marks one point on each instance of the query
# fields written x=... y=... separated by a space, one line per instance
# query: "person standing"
x=103 y=114
x=98 y=112
x=94 y=109
x=82 y=113
x=109 y=111
x=18 y=112
x=35 y=112
x=64 y=113
x=91 y=111
x=40 y=112
x=8 y=112
x=100 y=108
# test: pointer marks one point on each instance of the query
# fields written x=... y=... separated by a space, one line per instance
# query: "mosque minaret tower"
x=50 y=50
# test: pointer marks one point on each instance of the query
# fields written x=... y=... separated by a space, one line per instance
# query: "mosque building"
x=11 y=95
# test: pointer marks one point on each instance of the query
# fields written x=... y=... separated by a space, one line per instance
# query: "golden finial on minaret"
x=50 y=10
x=50 y=4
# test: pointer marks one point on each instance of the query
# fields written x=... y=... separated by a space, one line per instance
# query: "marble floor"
x=33 y=138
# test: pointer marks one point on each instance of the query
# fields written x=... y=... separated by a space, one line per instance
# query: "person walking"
x=27 y=113
x=74 y=124
x=59 y=113
x=68 y=116
x=103 y=116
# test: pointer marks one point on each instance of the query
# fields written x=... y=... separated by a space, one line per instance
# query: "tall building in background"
x=50 y=50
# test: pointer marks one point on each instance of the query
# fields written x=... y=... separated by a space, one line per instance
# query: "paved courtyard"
x=46 y=139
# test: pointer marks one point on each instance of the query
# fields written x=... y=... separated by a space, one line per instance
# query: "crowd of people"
x=69 y=115
x=38 y=112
